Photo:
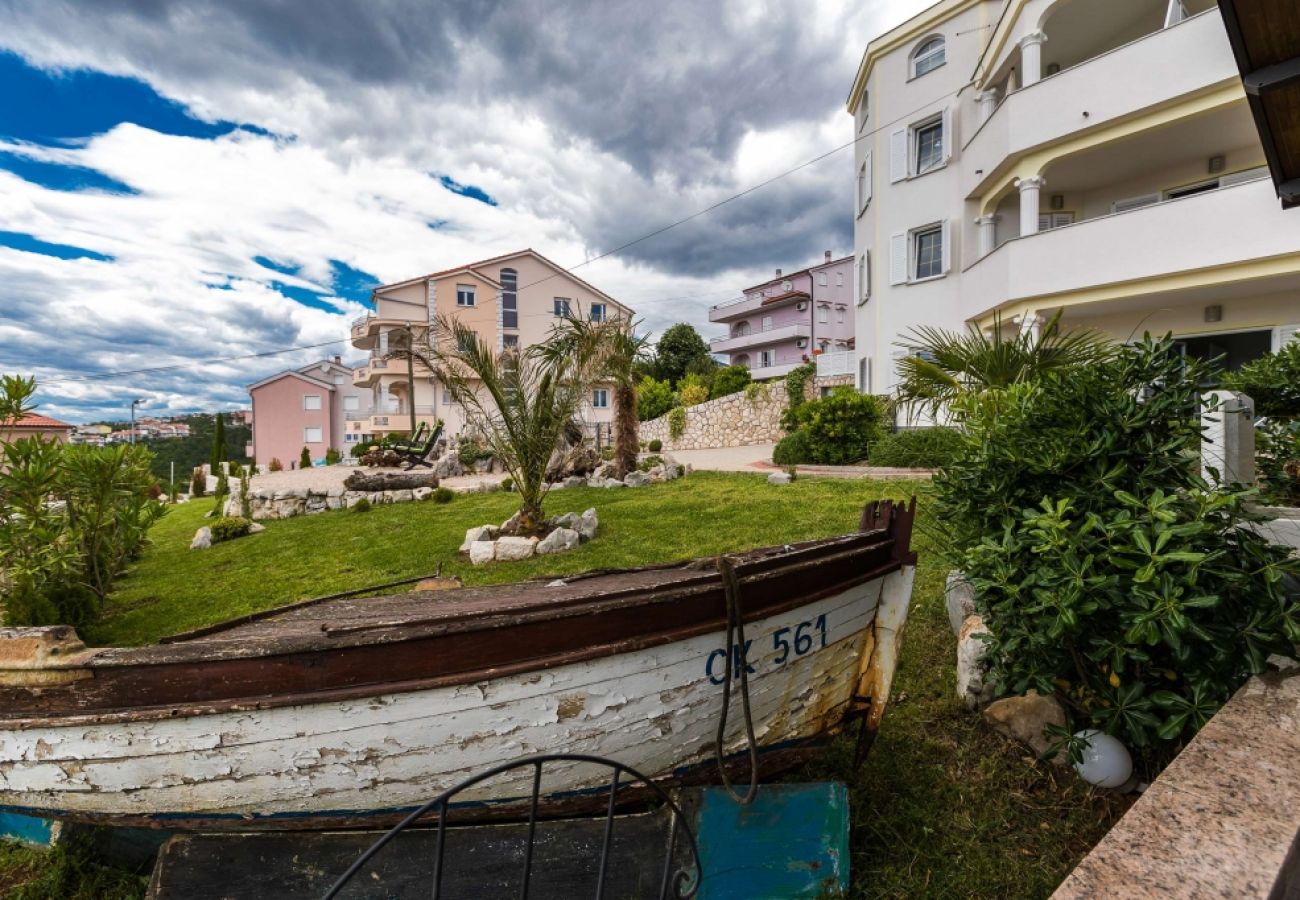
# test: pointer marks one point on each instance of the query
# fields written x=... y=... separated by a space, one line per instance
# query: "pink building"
x=790 y=320
x=308 y=407
x=32 y=425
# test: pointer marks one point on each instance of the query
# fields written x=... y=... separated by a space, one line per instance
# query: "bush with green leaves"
x=275 y=465
x=227 y=528
x=676 y=422
x=1272 y=381
x=468 y=452
x=443 y=495
x=361 y=448
x=304 y=459
x=1106 y=570
x=655 y=446
x=729 y=380
x=792 y=450
x=691 y=390
x=332 y=457
x=653 y=398
x=362 y=505
x=796 y=384
x=650 y=462
x=1277 y=461
x=507 y=483
x=923 y=448
x=837 y=429
x=198 y=482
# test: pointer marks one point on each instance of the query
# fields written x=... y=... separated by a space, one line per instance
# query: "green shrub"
x=691 y=390
x=729 y=380
x=235 y=470
x=656 y=445
x=275 y=465
x=1107 y=571
x=650 y=462
x=653 y=398
x=443 y=495
x=676 y=422
x=304 y=459
x=796 y=385
x=468 y=452
x=607 y=454
x=198 y=482
x=1277 y=461
x=362 y=505
x=332 y=457
x=925 y=448
x=792 y=450
x=228 y=528
x=507 y=483
x=1272 y=381
x=361 y=448
x=839 y=428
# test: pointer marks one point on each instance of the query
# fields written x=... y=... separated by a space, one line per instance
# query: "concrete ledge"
x=1223 y=820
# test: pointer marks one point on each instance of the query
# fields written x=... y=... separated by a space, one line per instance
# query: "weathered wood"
x=389 y=481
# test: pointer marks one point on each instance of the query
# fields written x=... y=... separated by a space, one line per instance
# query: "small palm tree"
x=521 y=402
x=614 y=350
x=942 y=366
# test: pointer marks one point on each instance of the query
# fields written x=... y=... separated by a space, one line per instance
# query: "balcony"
x=760 y=338
x=366 y=329
x=765 y=372
x=1173 y=237
x=398 y=418
x=725 y=312
x=364 y=376
x=830 y=365
x=1181 y=60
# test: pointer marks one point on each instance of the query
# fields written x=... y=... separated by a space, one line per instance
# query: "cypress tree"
x=218 y=444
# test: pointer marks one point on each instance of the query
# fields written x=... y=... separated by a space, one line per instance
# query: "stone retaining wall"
x=746 y=417
x=289 y=502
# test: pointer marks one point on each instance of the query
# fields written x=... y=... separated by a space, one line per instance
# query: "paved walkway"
x=758 y=458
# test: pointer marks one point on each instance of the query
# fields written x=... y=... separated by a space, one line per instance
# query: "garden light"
x=1106 y=762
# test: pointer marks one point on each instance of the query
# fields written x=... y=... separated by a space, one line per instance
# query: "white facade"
x=1019 y=157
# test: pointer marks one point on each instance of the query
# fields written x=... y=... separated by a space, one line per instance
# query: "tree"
x=678 y=348
x=653 y=398
x=942 y=366
x=729 y=380
x=304 y=459
x=218 y=444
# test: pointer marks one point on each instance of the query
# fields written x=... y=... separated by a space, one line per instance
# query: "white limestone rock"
x=479 y=533
x=588 y=525
x=1026 y=719
x=636 y=478
x=558 y=541
x=482 y=552
x=779 y=478
x=973 y=686
x=421 y=493
x=959 y=597
x=512 y=549
x=255 y=528
x=202 y=539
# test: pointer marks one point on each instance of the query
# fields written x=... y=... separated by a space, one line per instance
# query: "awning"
x=1265 y=37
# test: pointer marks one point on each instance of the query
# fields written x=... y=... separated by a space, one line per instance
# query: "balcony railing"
x=759 y=338
x=830 y=365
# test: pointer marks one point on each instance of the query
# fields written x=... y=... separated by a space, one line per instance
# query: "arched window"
x=740 y=329
x=928 y=56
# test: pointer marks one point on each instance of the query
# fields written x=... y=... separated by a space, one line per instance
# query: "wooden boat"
x=349 y=713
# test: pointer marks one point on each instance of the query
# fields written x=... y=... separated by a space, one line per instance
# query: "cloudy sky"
x=182 y=181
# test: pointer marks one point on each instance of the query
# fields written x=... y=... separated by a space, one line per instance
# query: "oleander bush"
x=926 y=448
x=1107 y=571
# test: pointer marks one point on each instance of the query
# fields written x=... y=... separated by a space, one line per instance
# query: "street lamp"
x=134 y=404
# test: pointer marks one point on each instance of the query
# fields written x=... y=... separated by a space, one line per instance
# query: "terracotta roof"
x=34 y=421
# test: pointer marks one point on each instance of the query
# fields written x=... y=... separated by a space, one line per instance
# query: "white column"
x=1031 y=323
x=1031 y=58
x=987 y=102
x=988 y=229
x=1228 y=422
x=1029 y=188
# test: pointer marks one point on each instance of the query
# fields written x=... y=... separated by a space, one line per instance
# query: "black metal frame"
x=417 y=455
x=684 y=883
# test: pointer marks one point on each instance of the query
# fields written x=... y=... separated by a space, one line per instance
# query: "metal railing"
x=684 y=883
x=360 y=321
x=837 y=363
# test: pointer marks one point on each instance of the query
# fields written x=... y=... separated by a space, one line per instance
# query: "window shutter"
x=898 y=155
x=1286 y=334
x=946 y=240
x=1134 y=202
x=898 y=259
x=1245 y=175
x=866 y=162
x=1044 y=221
x=948 y=137
x=866 y=275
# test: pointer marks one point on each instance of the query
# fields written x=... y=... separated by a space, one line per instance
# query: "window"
x=823 y=315
x=864 y=110
x=1190 y=189
x=839 y=316
x=338 y=379
x=864 y=375
x=349 y=437
x=864 y=183
x=510 y=341
x=864 y=286
x=1048 y=221
x=561 y=306
x=311 y=401
x=446 y=397
x=597 y=312
x=929 y=55
x=823 y=279
x=600 y=399
x=839 y=279
x=311 y=435
x=928 y=253
x=351 y=404
x=464 y=295
x=509 y=298
x=767 y=323
x=765 y=359
x=740 y=329
x=927 y=141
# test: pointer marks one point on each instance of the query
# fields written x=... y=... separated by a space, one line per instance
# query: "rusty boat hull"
x=350 y=713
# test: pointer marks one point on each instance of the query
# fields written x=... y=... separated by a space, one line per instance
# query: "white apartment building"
x=1097 y=157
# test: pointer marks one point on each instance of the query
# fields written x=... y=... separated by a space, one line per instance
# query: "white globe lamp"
x=1106 y=762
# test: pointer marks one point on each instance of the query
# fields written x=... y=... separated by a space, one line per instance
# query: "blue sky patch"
x=305 y=296
x=354 y=284
x=52 y=107
x=29 y=244
x=59 y=177
x=283 y=268
x=466 y=190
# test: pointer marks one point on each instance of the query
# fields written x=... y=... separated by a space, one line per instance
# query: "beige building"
x=509 y=301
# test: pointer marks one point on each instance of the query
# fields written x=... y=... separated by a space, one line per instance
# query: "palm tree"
x=941 y=366
x=521 y=402
x=614 y=350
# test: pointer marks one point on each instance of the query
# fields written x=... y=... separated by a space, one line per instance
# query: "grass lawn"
x=943 y=807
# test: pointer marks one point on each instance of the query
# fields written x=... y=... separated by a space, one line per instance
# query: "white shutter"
x=866 y=163
x=949 y=139
x=1134 y=202
x=898 y=155
x=946 y=239
x=898 y=259
x=1245 y=175
x=1286 y=334
x=866 y=275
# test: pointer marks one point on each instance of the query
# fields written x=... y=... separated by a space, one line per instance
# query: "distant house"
x=308 y=407
x=789 y=320
x=36 y=426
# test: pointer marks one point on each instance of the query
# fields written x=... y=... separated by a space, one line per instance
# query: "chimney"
x=778 y=273
x=828 y=256
x=338 y=360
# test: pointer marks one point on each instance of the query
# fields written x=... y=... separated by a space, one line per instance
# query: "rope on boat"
x=736 y=628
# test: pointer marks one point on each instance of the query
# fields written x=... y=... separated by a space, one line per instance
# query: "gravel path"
x=750 y=458
x=324 y=478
